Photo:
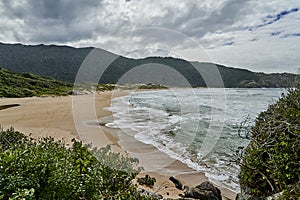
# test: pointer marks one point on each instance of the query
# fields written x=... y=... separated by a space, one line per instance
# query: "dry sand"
x=74 y=117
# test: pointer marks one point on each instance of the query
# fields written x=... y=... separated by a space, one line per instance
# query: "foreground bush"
x=46 y=169
x=271 y=162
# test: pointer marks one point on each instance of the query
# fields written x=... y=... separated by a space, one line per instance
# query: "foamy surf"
x=179 y=124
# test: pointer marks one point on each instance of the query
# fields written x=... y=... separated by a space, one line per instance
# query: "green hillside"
x=13 y=84
x=63 y=63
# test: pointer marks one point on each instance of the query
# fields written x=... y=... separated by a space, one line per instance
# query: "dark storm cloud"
x=72 y=20
x=51 y=21
x=196 y=21
x=62 y=10
x=218 y=26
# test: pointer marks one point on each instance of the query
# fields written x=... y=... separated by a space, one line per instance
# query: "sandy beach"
x=76 y=117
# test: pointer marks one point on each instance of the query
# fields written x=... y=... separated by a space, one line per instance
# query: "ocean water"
x=196 y=126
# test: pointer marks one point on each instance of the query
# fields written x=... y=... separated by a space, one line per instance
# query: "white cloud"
x=222 y=28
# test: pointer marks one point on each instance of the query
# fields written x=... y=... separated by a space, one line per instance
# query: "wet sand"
x=77 y=117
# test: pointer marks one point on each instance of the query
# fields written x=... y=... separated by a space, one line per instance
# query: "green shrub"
x=271 y=162
x=105 y=87
x=13 y=84
x=10 y=138
x=147 y=180
x=46 y=169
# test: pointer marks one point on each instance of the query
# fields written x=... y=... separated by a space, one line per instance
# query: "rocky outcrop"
x=204 y=191
x=207 y=186
x=196 y=193
x=177 y=183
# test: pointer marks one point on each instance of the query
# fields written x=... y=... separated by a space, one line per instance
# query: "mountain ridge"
x=63 y=63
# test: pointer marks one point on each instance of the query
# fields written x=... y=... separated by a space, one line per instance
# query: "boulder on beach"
x=203 y=191
x=207 y=186
x=177 y=183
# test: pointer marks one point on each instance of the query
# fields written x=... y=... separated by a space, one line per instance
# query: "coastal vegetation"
x=149 y=86
x=48 y=169
x=271 y=162
x=14 y=84
x=147 y=180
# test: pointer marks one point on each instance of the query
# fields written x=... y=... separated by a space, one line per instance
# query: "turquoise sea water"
x=196 y=126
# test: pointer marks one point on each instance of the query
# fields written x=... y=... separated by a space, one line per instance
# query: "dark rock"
x=203 y=194
x=204 y=191
x=177 y=183
x=196 y=193
x=102 y=123
x=207 y=186
x=187 y=193
x=71 y=92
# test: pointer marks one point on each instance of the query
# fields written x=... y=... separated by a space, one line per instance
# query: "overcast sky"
x=253 y=34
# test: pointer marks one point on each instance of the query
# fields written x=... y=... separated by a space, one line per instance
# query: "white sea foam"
x=176 y=123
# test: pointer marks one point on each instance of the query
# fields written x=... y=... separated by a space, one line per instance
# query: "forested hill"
x=14 y=84
x=63 y=62
x=59 y=62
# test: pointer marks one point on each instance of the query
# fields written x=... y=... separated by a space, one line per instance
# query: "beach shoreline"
x=54 y=116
